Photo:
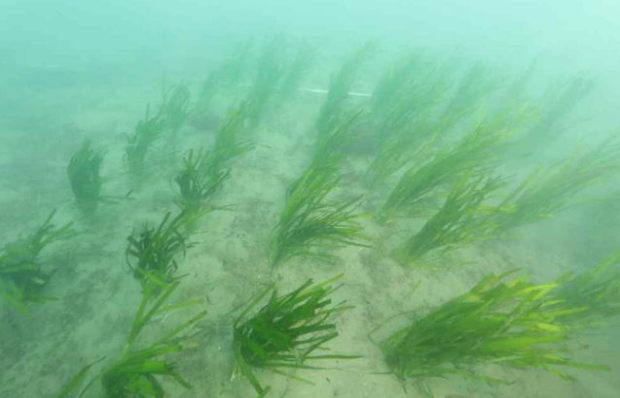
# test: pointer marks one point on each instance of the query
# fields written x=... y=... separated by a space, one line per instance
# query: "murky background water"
x=391 y=115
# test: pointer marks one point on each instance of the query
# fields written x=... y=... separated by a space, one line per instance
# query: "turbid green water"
x=309 y=199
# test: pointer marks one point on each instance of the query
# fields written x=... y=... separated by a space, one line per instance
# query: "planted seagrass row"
x=289 y=333
x=502 y=321
x=468 y=214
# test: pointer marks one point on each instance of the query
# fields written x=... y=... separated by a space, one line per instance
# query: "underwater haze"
x=395 y=198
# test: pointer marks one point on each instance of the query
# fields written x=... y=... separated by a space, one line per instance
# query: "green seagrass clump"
x=560 y=102
x=393 y=83
x=501 y=321
x=332 y=141
x=147 y=132
x=224 y=77
x=476 y=84
x=461 y=221
x=231 y=140
x=22 y=277
x=203 y=174
x=548 y=191
x=403 y=113
x=295 y=72
x=310 y=224
x=175 y=107
x=137 y=371
x=340 y=85
x=198 y=185
x=422 y=182
x=407 y=91
x=596 y=290
x=84 y=175
x=399 y=149
x=289 y=332
x=266 y=82
x=152 y=251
